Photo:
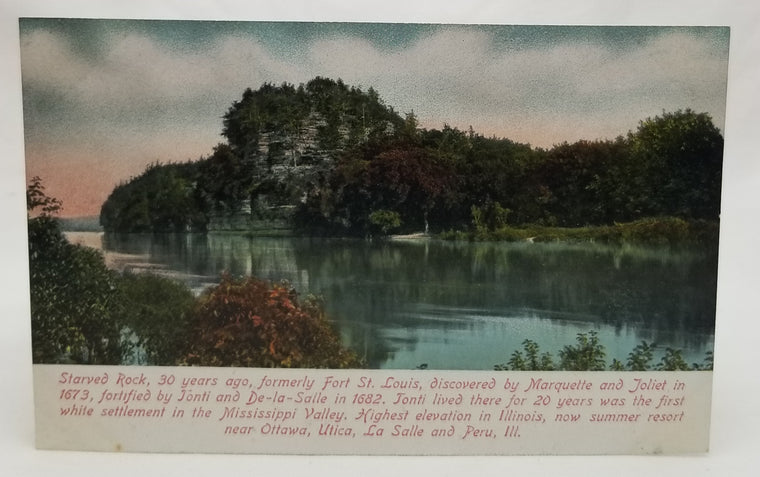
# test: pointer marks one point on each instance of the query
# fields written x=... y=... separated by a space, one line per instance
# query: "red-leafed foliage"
x=249 y=323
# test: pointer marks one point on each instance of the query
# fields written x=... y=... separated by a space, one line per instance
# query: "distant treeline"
x=80 y=224
x=346 y=164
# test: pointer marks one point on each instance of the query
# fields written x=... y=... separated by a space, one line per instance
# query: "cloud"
x=455 y=75
x=576 y=90
x=141 y=97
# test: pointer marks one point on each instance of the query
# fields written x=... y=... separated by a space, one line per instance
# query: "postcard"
x=372 y=238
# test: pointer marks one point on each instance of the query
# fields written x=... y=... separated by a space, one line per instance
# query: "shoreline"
x=661 y=231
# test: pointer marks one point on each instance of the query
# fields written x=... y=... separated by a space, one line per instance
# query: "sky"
x=104 y=98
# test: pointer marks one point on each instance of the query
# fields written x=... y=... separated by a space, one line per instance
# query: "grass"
x=660 y=231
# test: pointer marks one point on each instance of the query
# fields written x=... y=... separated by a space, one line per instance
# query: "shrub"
x=657 y=231
x=663 y=231
x=249 y=323
x=587 y=355
x=641 y=357
x=157 y=310
x=672 y=361
x=706 y=365
x=532 y=360
x=384 y=221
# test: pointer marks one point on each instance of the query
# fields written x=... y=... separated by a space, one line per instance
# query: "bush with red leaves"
x=248 y=322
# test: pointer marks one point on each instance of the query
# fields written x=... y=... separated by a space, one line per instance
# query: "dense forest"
x=330 y=159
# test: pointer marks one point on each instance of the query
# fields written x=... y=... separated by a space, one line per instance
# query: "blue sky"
x=103 y=98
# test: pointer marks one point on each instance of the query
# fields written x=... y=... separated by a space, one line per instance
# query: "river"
x=455 y=305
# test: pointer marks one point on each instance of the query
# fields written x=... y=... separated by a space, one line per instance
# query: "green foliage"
x=271 y=132
x=268 y=108
x=660 y=231
x=670 y=231
x=250 y=323
x=706 y=365
x=84 y=313
x=617 y=365
x=492 y=216
x=681 y=154
x=361 y=156
x=346 y=116
x=641 y=357
x=73 y=294
x=385 y=221
x=39 y=203
x=672 y=361
x=410 y=128
x=157 y=311
x=572 y=184
x=225 y=180
x=532 y=360
x=489 y=181
x=455 y=235
x=587 y=354
x=162 y=199
x=407 y=180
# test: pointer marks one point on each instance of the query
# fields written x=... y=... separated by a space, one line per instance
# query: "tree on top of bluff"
x=344 y=116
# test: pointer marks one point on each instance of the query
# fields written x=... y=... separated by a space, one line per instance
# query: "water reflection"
x=460 y=305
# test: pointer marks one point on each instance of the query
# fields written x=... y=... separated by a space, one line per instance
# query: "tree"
x=492 y=216
x=409 y=130
x=161 y=199
x=409 y=181
x=578 y=179
x=343 y=116
x=680 y=155
x=226 y=179
x=498 y=170
x=38 y=203
x=73 y=294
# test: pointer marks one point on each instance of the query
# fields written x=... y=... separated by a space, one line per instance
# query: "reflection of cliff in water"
x=386 y=296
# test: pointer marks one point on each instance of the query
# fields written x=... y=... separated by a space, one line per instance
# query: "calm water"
x=457 y=305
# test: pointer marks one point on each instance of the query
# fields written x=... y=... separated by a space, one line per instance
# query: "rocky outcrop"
x=288 y=165
x=282 y=145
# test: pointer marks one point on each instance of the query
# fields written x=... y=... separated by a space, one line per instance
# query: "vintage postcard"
x=372 y=238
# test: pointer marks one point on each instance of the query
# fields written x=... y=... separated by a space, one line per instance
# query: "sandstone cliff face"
x=287 y=167
x=282 y=144
x=302 y=147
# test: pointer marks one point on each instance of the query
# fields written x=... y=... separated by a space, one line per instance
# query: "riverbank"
x=660 y=231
